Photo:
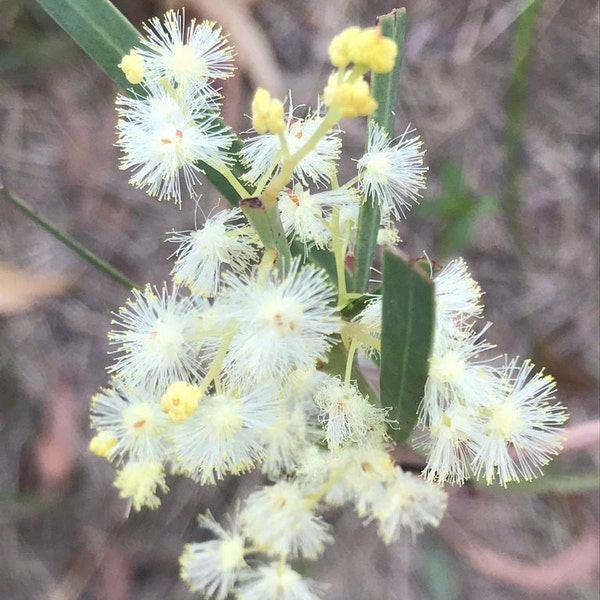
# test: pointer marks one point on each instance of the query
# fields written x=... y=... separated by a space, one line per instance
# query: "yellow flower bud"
x=383 y=57
x=132 y=65
x=364 y=47
x=267 y=113
x=353 y=99
x=180 y=401
x=103 y=443
x=340 y=48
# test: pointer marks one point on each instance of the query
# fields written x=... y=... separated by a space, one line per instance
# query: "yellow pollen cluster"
x=363 y=47
x=103 y=443
x=267 y=113
x=180 y=401
x=352 y=98
x=132 y=65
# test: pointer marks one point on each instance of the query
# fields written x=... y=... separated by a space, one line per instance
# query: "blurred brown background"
x=523 y=211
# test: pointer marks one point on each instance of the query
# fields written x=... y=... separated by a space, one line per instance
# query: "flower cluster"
x=171 y=124
x=495 y=422
x=229 y=367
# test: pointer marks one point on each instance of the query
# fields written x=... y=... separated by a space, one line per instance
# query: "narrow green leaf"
x=66 y=239
x=99 y=29
x=384 y=88
x=560 y=483
x=406 y=338
x=318 y=257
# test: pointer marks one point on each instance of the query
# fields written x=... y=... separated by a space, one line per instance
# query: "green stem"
x=67 y=240
x=339 y=252
x=215 y=367
x=350 y=361
x=234 y=182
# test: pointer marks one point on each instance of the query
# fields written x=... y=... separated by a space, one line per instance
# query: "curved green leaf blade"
x=99 y=29
x=406 y=338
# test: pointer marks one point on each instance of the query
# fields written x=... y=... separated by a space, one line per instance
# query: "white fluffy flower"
x=281 y=324
x=456 y=372
x=457 y=299
x=193 y=55
x=224 y=435
x=347 y=416
x=410 y=502
x=280 y=521
x=140 y=481
x=163 y=136
x=212 y=567
x=359 y=474
x=306 y=216
x=224 y=240
x=369 y=321
x=155 y=341
x=276 y=581
x=451 y=442
x=391 y=172
x=521 y=429
x=134 y=420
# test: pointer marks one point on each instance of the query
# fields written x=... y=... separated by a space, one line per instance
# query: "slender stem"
x=268 y=172
x=522 y=54
x=215 y=367
x=67 y=240
x=269 y=196
x=339 y=252
x=352 y=181
x=350 y=361
x=234 y=181
x=314 y=498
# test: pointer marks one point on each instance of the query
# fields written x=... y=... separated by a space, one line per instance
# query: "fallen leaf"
x=58 y=445
x=21 y=290
x=583 y=435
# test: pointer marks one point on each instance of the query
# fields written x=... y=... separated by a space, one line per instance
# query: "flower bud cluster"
x=363 y=47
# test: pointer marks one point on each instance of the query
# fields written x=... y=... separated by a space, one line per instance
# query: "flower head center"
x=505 y=420
x=184 y=63
x=378 y=167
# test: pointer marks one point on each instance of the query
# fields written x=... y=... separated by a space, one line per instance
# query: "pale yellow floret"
x=447 y=368
x=180 y=401
x=352 y=98
x=267 y=113
x=388 y=236
x=139 y=481
x=103 y=443
x=132 y=65
x=232 y=553
x=506 y=421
